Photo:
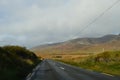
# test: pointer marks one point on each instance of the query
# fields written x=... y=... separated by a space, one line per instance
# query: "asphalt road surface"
x=53 y=70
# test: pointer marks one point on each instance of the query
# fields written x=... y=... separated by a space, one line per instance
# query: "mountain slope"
x=81 y=45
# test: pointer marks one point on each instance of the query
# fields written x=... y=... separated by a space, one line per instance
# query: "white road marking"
x=108 y=74
x=28 y=75
x=62 y=68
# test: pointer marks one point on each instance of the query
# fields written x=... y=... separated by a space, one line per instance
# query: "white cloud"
x=42 y=21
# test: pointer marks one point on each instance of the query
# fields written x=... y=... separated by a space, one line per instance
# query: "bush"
x=16 y=62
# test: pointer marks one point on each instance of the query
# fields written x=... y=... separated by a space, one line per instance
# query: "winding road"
x=53 y=70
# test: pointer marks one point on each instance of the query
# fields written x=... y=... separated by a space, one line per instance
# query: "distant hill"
x=81 y=45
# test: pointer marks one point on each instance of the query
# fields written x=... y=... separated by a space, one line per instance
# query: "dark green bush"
x=14 y=63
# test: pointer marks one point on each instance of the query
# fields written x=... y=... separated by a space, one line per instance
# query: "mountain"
x=81 y=45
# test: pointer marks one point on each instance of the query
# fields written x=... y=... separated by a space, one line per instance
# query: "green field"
x=106 y=62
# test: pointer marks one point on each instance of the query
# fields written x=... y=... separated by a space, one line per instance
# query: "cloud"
x=41 y=21
x=12 y=40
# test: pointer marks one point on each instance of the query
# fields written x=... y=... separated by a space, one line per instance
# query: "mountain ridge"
x=82 y=45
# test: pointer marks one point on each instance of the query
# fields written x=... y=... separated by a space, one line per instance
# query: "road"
x=53 y=70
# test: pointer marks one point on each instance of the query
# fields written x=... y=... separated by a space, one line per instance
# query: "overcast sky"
x=35 y=22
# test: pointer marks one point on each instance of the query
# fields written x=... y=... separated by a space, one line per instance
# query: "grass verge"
x=107 y=62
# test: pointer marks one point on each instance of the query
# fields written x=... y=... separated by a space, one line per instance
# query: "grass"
x=107 y=62
x=16 y=62
x=9 y=75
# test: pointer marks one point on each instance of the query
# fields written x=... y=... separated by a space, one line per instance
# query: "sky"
x=35 y=22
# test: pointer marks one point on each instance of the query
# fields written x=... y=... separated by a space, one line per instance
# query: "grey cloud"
x=42 y=21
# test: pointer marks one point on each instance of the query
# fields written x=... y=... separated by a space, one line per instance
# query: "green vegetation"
x=16 y=62
x=107 y=62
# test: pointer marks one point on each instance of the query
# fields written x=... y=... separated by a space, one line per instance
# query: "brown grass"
x=63 y=56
